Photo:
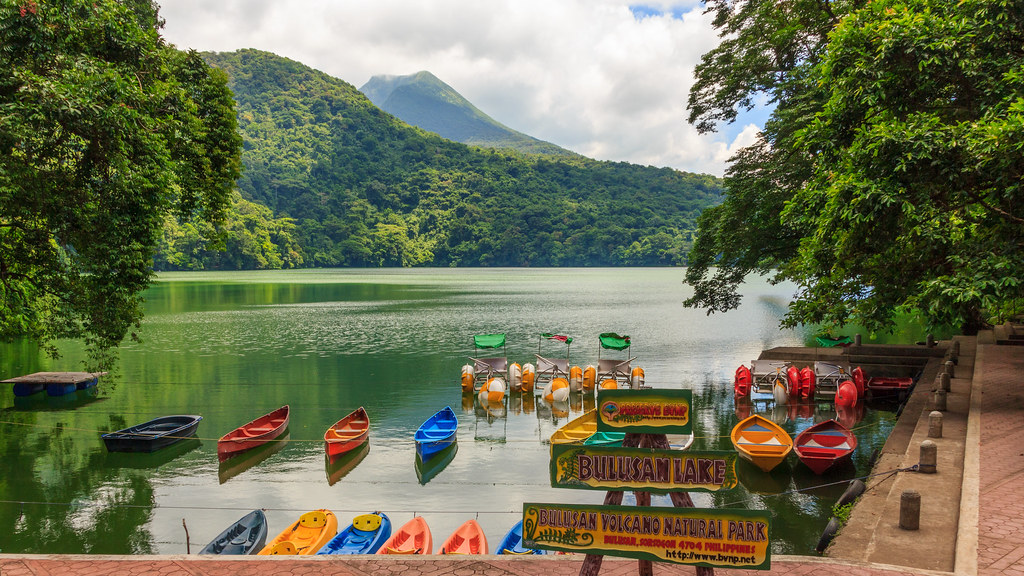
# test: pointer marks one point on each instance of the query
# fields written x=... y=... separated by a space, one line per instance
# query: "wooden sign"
x=645 y=469
x=694 y=536
x=651 y=410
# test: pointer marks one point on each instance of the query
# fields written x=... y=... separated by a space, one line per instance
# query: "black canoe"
x=153 y=435
x=247 y=536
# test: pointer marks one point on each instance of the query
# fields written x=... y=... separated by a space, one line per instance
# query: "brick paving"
x=1000 y=531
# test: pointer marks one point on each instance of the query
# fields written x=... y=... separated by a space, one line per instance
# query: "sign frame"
x=643 y=411
x=615 y=530
x=656 y=463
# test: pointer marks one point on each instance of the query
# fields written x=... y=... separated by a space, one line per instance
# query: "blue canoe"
x=365 y=535
x=246 y=536
x=436 y=434
x=512 y=543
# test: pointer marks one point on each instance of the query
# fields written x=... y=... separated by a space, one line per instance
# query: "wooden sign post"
x=644 y=463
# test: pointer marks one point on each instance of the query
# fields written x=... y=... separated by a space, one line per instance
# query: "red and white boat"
x=825 y=445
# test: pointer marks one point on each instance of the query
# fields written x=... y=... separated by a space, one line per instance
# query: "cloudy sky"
x=604 y=78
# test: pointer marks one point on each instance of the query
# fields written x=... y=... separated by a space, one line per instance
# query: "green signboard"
x=650 y=410
x=644 y=469
x=694 y=536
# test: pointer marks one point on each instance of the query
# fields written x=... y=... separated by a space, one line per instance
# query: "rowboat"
x=882 y=387
x=512 y=543
x=364 y=535
x=412 y=538
x=467 y=539
x=761 y=441
x=825 y=445
x=246 y=536
x=152 y=435
x=305 y=537
x=252 y=434
x=351 y=431
x=436 y=433
x=577 y=430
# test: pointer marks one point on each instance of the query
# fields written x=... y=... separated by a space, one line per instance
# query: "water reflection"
x=149 y=460
x=232 y=467
x=426 y=471
x=345 y=463
x=41 y=402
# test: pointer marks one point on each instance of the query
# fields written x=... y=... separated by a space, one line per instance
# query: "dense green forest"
x=331 y=180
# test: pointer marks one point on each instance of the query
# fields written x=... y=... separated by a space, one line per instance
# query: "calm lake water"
x=232 y=346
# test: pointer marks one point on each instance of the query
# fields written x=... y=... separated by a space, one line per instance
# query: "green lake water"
x=233 y=346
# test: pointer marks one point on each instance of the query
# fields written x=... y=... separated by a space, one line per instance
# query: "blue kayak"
x=365 y=535
x=436 y=434
x=512 y=543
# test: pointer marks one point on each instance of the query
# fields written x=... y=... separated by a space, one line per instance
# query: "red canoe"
x=889 y=387
x=824 y=445
x=467 y=539
x=255 y=433
x=350 y=432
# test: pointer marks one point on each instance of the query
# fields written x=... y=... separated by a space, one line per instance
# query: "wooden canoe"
x=436 y=433
x=350 y=432
x=306 y=536
x=761 y=441
x=153 y=435
x=246 y=536
x=364 y=535
x=252 y=434
x=825 y=445
x=412 y=538
x=467 y=539
x=577 y=430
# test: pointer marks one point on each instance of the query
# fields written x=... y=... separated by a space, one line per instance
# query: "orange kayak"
x=467 y=539
x=412 y=538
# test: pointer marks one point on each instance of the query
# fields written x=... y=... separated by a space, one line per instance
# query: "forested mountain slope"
x=350 y=185
x=424 y=101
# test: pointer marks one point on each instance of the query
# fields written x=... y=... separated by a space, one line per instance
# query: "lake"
x=233 y=346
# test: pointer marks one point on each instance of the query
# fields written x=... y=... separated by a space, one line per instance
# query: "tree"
x=899 y=182
x=104 y=131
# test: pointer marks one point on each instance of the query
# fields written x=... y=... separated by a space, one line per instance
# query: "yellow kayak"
x=309 y=534
x=578 y=430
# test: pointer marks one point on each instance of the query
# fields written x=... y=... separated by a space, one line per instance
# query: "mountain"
x=332 y=180
x=424 y=101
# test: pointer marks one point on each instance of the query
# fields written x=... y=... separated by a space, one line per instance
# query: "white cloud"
x=601 y=77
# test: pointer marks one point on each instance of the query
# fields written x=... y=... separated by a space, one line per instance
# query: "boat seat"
x=314 y=519
x=829 y=452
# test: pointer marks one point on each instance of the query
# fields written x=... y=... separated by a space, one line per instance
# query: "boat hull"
x=152 y=435
x=412 y=538
x=436 y=433
x=347 y=434
x=825 y=445
x=512 y=543
x=246 y=536
x=365 y=535
x=256 y=433
x=761 y=442
x=467 y=539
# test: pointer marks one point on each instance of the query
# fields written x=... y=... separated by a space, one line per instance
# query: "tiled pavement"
x=1000 y=542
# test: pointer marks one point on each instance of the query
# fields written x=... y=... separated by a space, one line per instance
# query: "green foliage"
x=104 y=132
x=897 y=154
x=365 y=189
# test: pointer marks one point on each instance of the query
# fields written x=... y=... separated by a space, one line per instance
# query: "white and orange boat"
x=761 y=441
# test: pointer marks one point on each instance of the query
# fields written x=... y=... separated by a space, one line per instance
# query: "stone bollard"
x=949 y=368
x=931 y=341
x=935 y=424
x=856 y=339
x=939 y=400
x=929 y=455
x=910 y=510
x=944 y=382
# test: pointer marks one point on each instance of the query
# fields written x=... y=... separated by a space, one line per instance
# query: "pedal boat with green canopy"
x=486 y=368
x=614 y=369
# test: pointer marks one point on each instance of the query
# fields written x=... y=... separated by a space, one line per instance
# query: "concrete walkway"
x=988 y=531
